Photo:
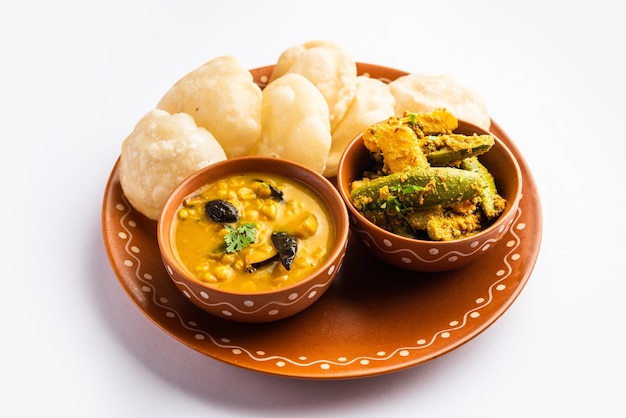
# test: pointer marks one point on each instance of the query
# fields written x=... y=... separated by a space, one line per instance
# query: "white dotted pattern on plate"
x=147 y=288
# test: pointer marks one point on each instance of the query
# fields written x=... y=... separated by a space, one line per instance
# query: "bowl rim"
x=511 y=207
x=314 y=181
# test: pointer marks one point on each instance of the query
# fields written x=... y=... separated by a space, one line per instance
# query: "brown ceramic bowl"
x=425 y=255
x=262 y=306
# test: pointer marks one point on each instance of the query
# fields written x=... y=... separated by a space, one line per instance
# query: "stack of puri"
x=313 y=105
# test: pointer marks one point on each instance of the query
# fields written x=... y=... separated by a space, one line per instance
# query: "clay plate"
x=374 y=319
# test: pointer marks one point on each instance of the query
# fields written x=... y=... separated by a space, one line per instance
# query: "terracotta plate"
x=374 y=319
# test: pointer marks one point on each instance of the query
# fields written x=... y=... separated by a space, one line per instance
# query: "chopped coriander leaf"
x=392 y=203
x=406 y=189
x=239 y=237
x=411 y=188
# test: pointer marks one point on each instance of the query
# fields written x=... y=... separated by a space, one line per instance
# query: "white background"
x=75 y=77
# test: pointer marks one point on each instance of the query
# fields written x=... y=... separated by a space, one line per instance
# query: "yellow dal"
x=199 y=241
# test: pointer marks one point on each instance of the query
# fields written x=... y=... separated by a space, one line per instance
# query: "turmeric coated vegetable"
x=428 y=182
x=419 y=188
x=437 y=122
x=450 y=149
x=491 y=202
x=396 y=145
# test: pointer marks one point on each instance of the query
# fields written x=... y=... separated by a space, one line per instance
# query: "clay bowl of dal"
x=426 y=255
x=253 y=239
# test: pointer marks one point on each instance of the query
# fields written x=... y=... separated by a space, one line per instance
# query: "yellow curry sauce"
x=207 y=249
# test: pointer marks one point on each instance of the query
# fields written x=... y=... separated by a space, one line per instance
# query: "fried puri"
x=295 y=122
x=222 y=97
x=331 y=69
x=372 y=103
x=159 y=153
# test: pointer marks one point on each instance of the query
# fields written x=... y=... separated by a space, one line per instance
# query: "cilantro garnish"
x=239 y=237
x=406 y=189
x=392 y=203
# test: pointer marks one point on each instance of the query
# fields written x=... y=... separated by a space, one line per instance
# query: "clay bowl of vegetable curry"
x=428 y=192
x=253 y=239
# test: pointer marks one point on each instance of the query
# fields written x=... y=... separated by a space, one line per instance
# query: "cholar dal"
x=252 y=232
